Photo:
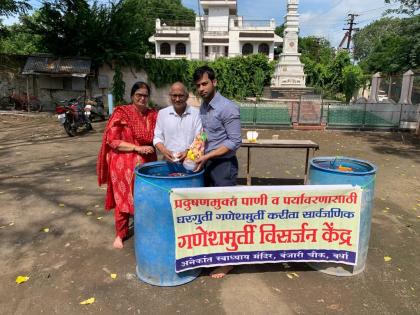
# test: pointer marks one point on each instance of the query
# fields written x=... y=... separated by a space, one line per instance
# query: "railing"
x=265 y=114
x=371 y=115
x=165 y=28
x=333 y=115
x=256 y=23
x=216 y=33
x=177 y=23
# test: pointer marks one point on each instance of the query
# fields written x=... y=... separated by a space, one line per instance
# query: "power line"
x=364 y=12
x=326 y=12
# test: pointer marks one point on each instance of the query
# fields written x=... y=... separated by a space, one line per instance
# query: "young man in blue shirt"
x=221 y=122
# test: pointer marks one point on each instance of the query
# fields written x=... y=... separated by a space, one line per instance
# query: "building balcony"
x=178 y=37
x=216 y=34
x=175 y=26
x=254 y=25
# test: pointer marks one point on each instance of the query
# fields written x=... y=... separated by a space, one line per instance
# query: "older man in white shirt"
x=176 y=125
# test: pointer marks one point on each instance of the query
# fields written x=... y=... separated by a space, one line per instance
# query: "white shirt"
x=177 y=132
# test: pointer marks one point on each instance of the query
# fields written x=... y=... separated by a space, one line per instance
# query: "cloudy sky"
x=324 y=18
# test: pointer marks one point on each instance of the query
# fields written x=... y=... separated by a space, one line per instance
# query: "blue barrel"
x=323 y=171
x=154 y=237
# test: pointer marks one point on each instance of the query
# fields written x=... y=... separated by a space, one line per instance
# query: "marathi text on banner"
x=245 y=225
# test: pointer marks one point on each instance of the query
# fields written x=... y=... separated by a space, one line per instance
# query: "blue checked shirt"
x=222 y=122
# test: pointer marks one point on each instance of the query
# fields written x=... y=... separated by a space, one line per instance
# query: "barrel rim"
x=336 y=171
x=151 y=164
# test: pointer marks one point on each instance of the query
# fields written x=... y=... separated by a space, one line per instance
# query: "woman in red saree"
x=127 y=142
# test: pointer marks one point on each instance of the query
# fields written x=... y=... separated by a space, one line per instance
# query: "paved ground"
x=47 y=180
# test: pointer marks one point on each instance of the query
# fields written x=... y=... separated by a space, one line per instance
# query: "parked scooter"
x=73 y=115
x=96 y=108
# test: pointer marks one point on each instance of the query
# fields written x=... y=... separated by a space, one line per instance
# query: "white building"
x=219 y=33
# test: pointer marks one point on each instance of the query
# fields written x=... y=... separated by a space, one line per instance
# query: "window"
x=264 y=49
x=180 y=49
x=206 y=51
x=215 y=49
x=165 y=49
x=226 y=51
x=247 y=49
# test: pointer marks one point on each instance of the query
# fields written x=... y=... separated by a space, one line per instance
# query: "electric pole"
x=351 y=29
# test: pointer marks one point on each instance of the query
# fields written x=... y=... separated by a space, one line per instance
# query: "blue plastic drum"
x=324 y=171
x=154 y=236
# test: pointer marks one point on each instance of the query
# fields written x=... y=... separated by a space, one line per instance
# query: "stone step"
x=297 y=126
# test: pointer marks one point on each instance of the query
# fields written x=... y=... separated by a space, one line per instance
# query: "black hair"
x=139 y=85
x=199 y=72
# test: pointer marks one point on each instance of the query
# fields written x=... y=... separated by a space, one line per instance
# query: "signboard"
x=248 y=225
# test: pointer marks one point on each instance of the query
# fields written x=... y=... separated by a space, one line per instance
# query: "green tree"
x=259 y=78
x=317 y=49
x=12 y=7
x=365 y=39
x=410 y=7
x=389 y=45
x=9 y=8
x=18 y=39
x=352 y=80
x=117 y=31
x=118 y=86
x=335 y=70
x=389 y=55
x=323 y=67
x=280 y=30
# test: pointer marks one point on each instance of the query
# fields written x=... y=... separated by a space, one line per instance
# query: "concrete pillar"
x=197 y=23
x=172 y=49
x=273 y=23
x=376 y=80
x=407 y=88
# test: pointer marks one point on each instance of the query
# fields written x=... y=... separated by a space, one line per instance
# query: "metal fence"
x=333 y=115
x=265 y=114
x=390 y=87
x=370 y=115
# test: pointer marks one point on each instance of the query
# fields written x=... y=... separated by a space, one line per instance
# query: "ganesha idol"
x=195 y=152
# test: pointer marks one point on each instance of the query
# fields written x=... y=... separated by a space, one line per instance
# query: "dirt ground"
x=47 y=181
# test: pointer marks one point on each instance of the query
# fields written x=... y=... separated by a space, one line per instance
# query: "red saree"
x=115 y=168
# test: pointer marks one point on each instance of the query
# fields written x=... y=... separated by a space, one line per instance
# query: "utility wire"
x=364 y=12
x=326 y=12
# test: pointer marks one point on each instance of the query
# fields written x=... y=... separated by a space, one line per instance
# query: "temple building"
x=220 y=32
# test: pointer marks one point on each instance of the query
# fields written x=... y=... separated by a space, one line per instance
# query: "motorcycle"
x=72 y=114
x=96 y=108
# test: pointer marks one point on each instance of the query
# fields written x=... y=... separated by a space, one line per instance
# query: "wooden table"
x=285 y=144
